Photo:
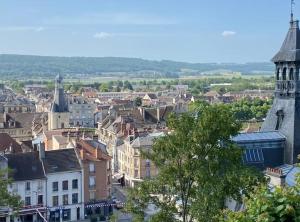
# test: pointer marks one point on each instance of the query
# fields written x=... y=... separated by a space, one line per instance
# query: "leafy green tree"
x=6 y=198
x=103 y=87
x=265 y=205
x=199 y=167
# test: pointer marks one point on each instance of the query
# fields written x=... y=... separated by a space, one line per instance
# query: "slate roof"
x=25 y=166
x=23 y=120
x=148 y=140
x=290 y=50
x=63 y=160
x=97 y=145
x=259 y=136
x=152 y=96
x=290 y=172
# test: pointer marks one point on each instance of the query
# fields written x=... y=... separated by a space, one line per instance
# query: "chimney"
x=10 y=150
x=4 y=117
x=41 y=147
x=82 y=154
x=142 y=112
x=68 y=137
x=158 y=114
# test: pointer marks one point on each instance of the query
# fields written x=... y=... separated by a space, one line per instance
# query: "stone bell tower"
x=58 y=117
x=284 y=115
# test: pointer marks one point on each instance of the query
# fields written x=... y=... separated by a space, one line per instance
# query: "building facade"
x=81 y=112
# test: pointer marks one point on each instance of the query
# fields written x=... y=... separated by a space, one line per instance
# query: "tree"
x=103 y=87
x=138 y=101
x=265 y=205
x=199 y=167
x=127 y=85
x=6 y=198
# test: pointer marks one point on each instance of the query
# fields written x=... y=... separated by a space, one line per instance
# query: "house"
x=81 y=112
x=64 y=184
x=29 y=182
x=132 y=164
x=97 y=169
x=150 y=99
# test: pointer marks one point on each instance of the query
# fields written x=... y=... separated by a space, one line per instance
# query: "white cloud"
x=102 y=35
x=228 y=33
x=22 y=29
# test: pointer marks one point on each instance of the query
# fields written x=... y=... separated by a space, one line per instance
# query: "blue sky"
x=182 y=30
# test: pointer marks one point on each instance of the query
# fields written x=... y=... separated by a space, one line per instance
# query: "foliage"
x=138 y=101
x=247 y=109
x=265 y=205
x=244 y=110
x=199 y=166
x=6 y=198
x=23 y=65
x=17 y=86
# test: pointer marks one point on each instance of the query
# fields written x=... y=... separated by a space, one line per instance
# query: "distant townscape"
x=198 y=142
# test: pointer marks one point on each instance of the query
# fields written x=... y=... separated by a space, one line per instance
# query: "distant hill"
x=48 y=66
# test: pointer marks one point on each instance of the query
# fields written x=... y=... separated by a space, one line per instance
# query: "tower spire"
x=292 y=10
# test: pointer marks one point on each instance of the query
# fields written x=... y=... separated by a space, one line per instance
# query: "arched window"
x=278 y=74
x=291 y=74
x=284 y=74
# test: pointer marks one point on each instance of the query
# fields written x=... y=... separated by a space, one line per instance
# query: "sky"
x=182 y=30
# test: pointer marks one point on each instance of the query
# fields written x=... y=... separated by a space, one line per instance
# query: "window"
x=92 y=195
x=55 y=186
x=27 y=186
x=92 y=167
x=40 y=199
x=291 y=74
x=40 y=185
x=92 y=182
x=278 y=74
x=75 y=184
x=136 y=173
x=27 y=201
x=136 y=163
x=65 y=199
x=284 y=74
x=65 y=185
x=74 y=198
x=55 y=201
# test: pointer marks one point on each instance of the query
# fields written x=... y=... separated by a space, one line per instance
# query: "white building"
x=49 y=184
x=64 y=185
x=30 y=184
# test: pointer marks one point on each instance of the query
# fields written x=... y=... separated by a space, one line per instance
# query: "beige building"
x=132 y=165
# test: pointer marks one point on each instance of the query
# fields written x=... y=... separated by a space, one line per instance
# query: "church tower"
x=58 y=117
x=284 y=115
